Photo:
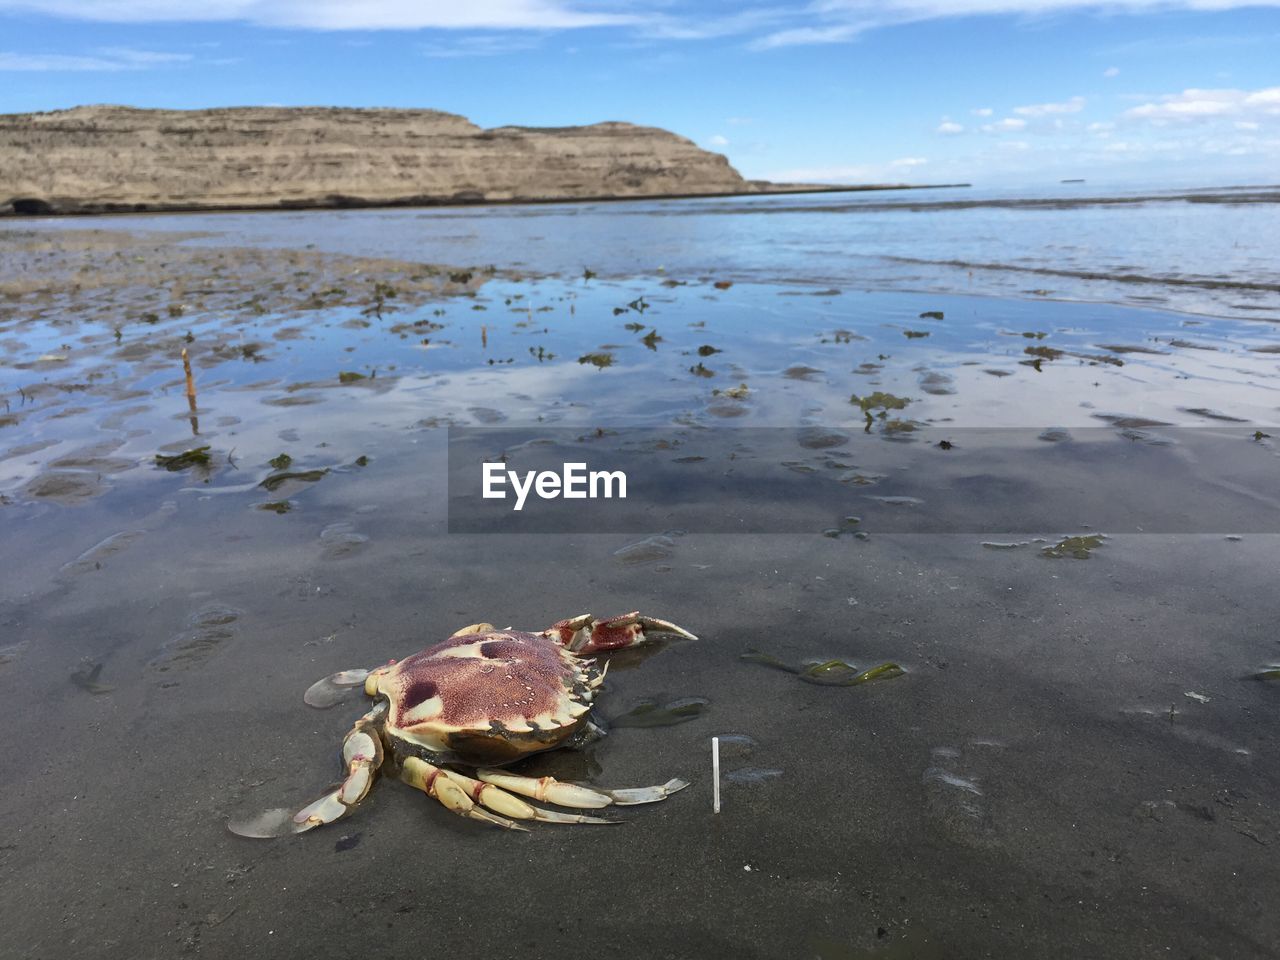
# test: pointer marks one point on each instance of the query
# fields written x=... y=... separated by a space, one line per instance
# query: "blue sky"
x=1013 y=92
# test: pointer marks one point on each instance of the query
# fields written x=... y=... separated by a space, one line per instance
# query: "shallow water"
x=1077 y=754
x=1206 y=251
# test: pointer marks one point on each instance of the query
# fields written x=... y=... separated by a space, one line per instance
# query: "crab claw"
x=585 y=634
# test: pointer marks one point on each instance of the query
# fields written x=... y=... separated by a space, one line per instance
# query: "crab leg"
x=499 y=801
x=434 y=782
x=334 y=688
x=550 y=790
x=585 y=634
x=362 y=755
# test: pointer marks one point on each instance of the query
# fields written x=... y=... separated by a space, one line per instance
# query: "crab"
x=482 y=699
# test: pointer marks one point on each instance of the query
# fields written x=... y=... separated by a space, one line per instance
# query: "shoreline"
x=31 y=209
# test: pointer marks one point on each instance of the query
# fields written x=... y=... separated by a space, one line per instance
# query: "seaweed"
x=915 y=334
x=349 y=377
x=597 y=360
x=1044 y=353
x=931 y=315
x=276 y=480
x=649 y=713
x=86 y=677
x=197 y=457
x=884 y=402
x=707 y=350
x=651 y=339
x=1052 y=353
x=1078 y=548
x=831 y=673
x=281 y=462
x=879 y=401
x=899 y=426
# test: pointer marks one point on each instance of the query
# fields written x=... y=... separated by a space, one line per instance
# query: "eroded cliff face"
x=108 y=158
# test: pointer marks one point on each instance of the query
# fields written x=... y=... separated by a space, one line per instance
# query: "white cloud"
x=1006 y=125
x=949 y=128
x=669 y=27
x=805 y=36
x=108 y=60
x=908 y=162
x=1200 y=105
x=718 y=141
x=773 y=23
x=1074 y=105
x=1247 y=125
x=982 y=111
x=1111 y=72
x=843 y=20
x=337 y=14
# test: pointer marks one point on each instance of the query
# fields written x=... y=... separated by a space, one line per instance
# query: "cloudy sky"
x=1014 y=92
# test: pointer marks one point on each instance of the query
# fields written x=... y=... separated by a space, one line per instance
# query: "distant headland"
x=115 y=159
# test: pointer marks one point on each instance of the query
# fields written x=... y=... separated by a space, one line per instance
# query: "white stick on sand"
x=715 y=774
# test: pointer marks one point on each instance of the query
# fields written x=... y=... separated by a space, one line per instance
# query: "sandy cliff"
x=108 y=158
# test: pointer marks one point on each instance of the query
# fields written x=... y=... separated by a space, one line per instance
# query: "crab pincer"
x=585 y=634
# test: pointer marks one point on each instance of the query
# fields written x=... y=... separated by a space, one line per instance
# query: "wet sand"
x=1077 y=760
